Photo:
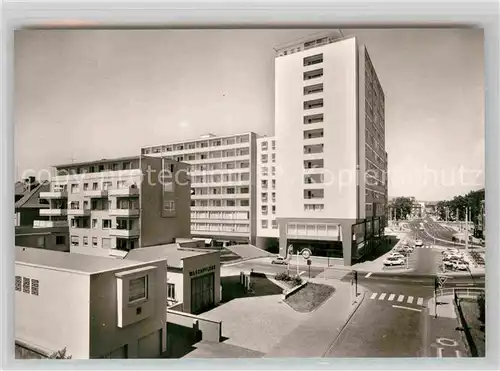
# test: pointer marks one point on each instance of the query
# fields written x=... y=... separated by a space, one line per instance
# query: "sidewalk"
x=315 y=335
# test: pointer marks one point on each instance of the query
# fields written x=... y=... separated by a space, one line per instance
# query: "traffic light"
x=356 y=276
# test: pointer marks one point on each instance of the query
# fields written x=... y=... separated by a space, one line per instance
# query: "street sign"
x=442 y=280
x=308 y=261
x=306 y=253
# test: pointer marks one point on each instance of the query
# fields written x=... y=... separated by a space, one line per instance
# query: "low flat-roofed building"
x=193 y=277
x=50 y=238
x=95 y=307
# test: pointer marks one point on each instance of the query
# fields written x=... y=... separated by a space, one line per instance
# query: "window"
x=273 y=157
x=264 y=210
x=107 y=185
x=244 y=203
x=95 y=185
x=115 y=167
x=273 y=182
x=85 y=205
x=263 y=171
x=137 y=289
x=169 y=205
x=170 y=291
x=75 y=241
x=275 y=224
x=230 y=203
x=94 y=241
x=273 y=144
x=121 y=184
x=34 y=287
x=106 y=223
x=85 y=186
x=26 y=285
x=244 y=190
x=75 y=188
x=264 y=184
x=94 y=223
x=85 y=241
x=263 y=159
x=264 y=224
x=18 y=283
x=274 y=209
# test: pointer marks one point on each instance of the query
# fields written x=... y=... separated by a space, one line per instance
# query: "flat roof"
x=74 y=262
x=101 y=161
x=171 y=252
x=199 y=139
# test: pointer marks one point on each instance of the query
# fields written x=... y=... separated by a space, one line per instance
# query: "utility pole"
x=466 y=229
x=356 y=284
x=435 y=296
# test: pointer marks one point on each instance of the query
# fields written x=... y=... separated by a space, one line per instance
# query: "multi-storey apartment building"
x=330 y=147
x=120 y=204
x=223 y=180
x=267 y=226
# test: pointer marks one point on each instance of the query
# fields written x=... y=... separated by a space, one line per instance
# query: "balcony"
x=49 y=223
x=54 y=195
x=53 y=212
x=124 y=233
x=79 y=212
x=124 y=212
x=124 y=192
x=96 y=193
x=228 y=196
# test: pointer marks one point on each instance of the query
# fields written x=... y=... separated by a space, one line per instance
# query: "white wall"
x=105 y=335
x=59 y=316
x=177 y=278
x=340 y=129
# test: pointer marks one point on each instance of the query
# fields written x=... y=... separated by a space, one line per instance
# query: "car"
x=418 y=243
x=392 y=260
x=396 y=255
x=460 y=266
x=279 y=260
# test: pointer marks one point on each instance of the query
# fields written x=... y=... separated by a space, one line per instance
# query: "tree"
x=60 y=354
x=402 y=207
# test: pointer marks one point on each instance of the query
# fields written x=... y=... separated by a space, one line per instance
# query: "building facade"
x=113 y=206
x=330 y=148
x=49 y=238
x=28 y=203
x=223 y=182
x=193 y=276
x=95 y=307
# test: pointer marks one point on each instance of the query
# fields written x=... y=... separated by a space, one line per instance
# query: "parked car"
x=460 y=266
x=419 y=243
x=393 y=260
x=397 y=255
x=279 y=260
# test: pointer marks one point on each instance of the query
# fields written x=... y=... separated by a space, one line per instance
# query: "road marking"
x=374 y=295
x=414 y=309
x=301 y=273
x=391 y=297
x=457 y=352
x=368 y=275
x=400 y=298
x=447 y=342
x=410 y=299
x=420 y=301
x=382 y=296
x=440 y=352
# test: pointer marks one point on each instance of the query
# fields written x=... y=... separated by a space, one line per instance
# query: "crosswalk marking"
x=400 y=298
x=368 y=275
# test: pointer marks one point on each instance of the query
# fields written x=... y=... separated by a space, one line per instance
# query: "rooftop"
x=171 y=252
x=309 y=42
x=101 y=161
x=65 y=261
x=30 y=198
x=201 y=138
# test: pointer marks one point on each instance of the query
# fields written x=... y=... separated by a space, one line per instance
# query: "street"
x=264 y=265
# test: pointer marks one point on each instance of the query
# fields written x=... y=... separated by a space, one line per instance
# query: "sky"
x=90 y=94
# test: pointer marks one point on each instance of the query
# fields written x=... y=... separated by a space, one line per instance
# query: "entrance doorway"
x=202 y=293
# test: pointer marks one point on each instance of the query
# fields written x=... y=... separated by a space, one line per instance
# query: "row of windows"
x=264 y=183
x=84 y=222
x=264 y=145
x=197 y=144
x=106 y=185
x=264 y=158
x=217 y=155
x=264 y=171
x=264 y=209
x=314 y=207
x=218 y=191
x=105 y=242
x=218 y=178
x=265 y=224
x=242 y=215
x=117 y=166
x=221 y=166
x=241 y=228
x=219 y=203
x=264 y=197
x=27 y=285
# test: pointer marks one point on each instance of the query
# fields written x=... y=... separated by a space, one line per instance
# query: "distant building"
x=193 y=277
x=95 y=307
x=223 y=185
x=27 y=201
x=115 y=205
